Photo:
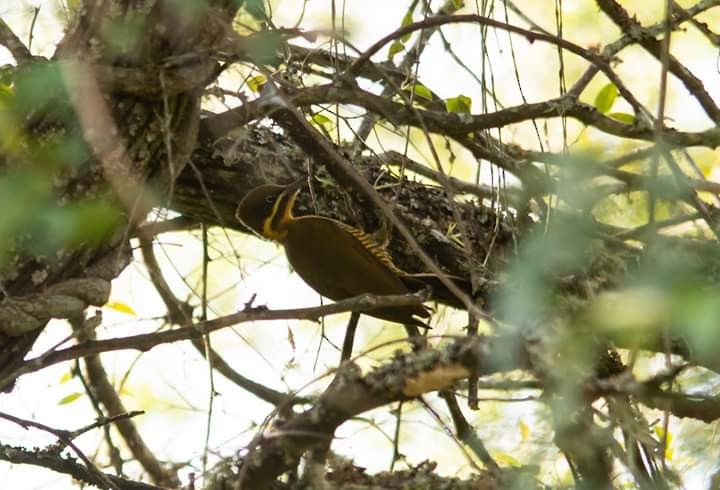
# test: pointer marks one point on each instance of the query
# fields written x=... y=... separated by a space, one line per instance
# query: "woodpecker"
x=335 y=259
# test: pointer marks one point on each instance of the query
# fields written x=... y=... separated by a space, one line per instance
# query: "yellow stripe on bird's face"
x=275 y=225
x=257 y=206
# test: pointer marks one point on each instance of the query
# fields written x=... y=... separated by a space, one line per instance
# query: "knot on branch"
x=64 y=299
x=412 y=374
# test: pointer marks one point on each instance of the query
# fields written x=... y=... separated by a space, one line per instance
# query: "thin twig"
x=144 y=342
x=349 y=340
x=67 y=466
x=466 y=433
x=106 y=393
x=64 y=437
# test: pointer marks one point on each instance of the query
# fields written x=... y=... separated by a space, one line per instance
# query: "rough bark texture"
x=36 y=289
x=223 y=171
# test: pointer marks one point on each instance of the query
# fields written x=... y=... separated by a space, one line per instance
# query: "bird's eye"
x=269 y=199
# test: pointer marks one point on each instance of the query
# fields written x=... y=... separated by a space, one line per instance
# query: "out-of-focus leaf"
x=605 y=98
x=255 y=83
x=263 y=48
x=40 y=89
x=69 y=398
x=190 y=8
x=507 y=459
x=407 y=20
x=85 y=223
x=60 y=151
x=668 y=441
x=93 y=221
x=321 y=120
x=529 y=283
x=6 y=95
x=623 y=117
x=24 y=194
x=697 y=314
x=121 y=307
x=256 y=8
x=422 y=91
x=395 y=48
x=629 y=311
x=124 y=34
x=66 y=377
x=524 y=430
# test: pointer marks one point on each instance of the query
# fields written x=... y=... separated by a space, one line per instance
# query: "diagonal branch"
x=145 y=342
x=66 y=439
x=405 y=377
x=106 y=393
x=13 y=43
x=631 y=26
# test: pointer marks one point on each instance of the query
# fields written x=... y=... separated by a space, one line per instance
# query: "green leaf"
x=321 y=120
x=458 y=4
x=407 y=20
x=66 y=377
x=460 y=104
x=69 y=398
x=255 y=83
x=422 y=91
x=623 y=117
x=507 y=460
x=395 y=48
x=605 y=98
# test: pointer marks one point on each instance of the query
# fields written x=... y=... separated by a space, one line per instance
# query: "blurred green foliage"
x=41 y=147
x=124 y=36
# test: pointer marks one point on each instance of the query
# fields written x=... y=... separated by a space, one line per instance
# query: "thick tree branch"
x=405 y=377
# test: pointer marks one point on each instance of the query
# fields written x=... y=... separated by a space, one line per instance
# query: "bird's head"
x=267 y=209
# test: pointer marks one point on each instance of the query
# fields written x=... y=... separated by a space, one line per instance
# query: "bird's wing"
x=338 y=260
x=372 y=246
x=416 y=281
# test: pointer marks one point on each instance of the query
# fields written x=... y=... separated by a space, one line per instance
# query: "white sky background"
x=171 y=382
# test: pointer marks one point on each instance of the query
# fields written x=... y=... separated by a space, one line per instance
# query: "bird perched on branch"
x=335 y=259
